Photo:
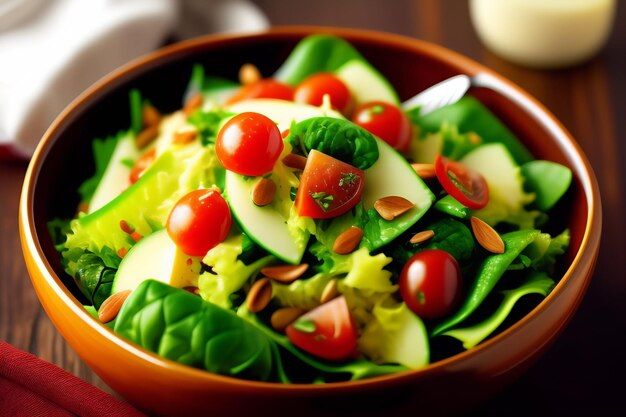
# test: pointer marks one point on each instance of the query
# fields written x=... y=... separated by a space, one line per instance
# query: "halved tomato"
x=327 y=331
x=328 y=187
x=467 y=186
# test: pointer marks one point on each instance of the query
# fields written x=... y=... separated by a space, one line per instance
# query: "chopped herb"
x=378 y=109
x=421 y=297
x=323 y=199
x=348 y=178
x=292 y=193
x=305 y=325
x=128 y=162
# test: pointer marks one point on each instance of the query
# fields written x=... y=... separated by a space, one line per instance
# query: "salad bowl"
x=160 y=386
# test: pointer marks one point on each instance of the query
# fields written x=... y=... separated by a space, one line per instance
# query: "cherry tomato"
x=467 y=186
x=249 y=144
x=141 y=165
x=199 y=221
x=312 y=91
x=265 y=88
x=328 y=331
x=430 y=283
x=386 y=121
x=328 y=187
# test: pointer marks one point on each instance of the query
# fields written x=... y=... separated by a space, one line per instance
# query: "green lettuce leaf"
x=228 y=273
x=548 y=180
x=536 y=283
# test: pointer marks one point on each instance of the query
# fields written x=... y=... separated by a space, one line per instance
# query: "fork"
x=439 y=95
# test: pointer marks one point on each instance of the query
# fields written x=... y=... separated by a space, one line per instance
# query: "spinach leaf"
x=469 y=115
x=95 y=273
x=317 y=53
x=536 y=283
x=338 y=138
x=548 y=180
x=488 y=275
x=451 y=236
x=182 y=327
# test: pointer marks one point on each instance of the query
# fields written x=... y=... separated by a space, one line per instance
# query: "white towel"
x=51 y=50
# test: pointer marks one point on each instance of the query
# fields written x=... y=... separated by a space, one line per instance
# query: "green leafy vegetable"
x=208 y=123
x=395 y=335
x=355 y=369
x=488 y=275
x=469 y=115
x=536 y=283
x=95 y=273
x=213 y=89
x=182 y=327
x=228 y=272
x=102 y=152
x=147 y=203
x=317 y=53
x=548 y=180
x=451 y=236
x=338 y=138
x=136 y=110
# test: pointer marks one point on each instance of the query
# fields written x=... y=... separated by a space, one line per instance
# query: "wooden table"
x=583 y=373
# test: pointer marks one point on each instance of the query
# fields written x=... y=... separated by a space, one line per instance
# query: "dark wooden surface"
x=584 y=372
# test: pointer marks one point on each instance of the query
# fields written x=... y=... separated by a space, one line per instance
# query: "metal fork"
x=441 y=94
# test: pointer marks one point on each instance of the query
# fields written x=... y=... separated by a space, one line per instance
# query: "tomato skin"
x=430 y=283
x=467 y=186
x=386 y=121
x=265 y=88
x=199 y=221
x=312 y=91
x=334 y=334
x=249 y=144
x=328 y=187
x=141 y=165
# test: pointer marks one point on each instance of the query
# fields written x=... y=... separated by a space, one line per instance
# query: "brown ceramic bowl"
x=160 y=386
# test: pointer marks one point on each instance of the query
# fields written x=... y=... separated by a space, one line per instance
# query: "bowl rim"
x=581 y=167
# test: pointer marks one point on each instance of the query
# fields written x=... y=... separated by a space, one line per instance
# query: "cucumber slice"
x=265 y=225
x=392 y=175
x=116 y=176
x=156 y=257
x=366 y=83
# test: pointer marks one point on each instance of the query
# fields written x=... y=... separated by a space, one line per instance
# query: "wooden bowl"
x=156 y=385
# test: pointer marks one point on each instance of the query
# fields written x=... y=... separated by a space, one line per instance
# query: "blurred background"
x=583 y=372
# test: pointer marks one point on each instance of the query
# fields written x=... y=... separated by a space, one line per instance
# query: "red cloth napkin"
x=30 y=386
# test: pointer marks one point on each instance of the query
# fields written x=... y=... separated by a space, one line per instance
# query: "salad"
x=307 y=228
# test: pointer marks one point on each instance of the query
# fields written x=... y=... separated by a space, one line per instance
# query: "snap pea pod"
x=488 y=275
x=450 y=205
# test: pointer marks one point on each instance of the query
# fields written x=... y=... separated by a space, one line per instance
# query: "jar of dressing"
x=543 y=33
